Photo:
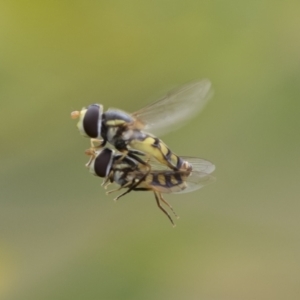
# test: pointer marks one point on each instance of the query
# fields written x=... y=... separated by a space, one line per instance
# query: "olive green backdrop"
x=61 y=237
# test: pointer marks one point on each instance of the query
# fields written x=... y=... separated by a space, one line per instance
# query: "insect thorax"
x=115 y=124
x=114 y=117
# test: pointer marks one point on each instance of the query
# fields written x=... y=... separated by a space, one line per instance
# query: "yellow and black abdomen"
x=156 y=148
x=166 y=182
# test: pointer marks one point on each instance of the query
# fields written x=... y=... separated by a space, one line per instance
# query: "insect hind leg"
x=169 y=205
x=158 y=198
x=133 y=154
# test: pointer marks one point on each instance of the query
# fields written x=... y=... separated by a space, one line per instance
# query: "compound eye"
x=92 y=121
x=103 y=162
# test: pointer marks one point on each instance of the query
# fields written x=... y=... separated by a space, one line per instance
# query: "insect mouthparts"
x=75 y=114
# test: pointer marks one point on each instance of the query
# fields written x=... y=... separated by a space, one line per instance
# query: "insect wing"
x=198 y=164
x=200 y=175
x=170 y=112
x=194 y=180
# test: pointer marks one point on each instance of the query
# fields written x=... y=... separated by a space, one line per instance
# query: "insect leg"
x=106 y=182
x=148 y=167
x=157 y=198
x=138 y=159
x=137 y=152
x=133 y=155
x=131 y=186
x=97 y=144
x=119 y=188
x=90 y=152
x=168 y=204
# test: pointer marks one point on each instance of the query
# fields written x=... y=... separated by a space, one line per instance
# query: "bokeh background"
x=61 y=237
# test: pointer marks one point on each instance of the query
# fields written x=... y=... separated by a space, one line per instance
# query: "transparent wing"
x=199 y=164
x=198 y=178
x=192 y=181
x=196 y=181
x=170 y=112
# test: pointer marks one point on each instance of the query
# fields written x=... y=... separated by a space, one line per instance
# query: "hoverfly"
x=129 y=173
x=128 y=133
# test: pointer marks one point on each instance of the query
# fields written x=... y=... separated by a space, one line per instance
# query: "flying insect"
x=129 y=173
x=130 y=133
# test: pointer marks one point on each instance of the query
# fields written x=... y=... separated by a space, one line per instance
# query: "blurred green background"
x=61 y=237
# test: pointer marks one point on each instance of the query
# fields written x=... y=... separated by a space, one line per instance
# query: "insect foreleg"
x=97 y=144
x=106 y=182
